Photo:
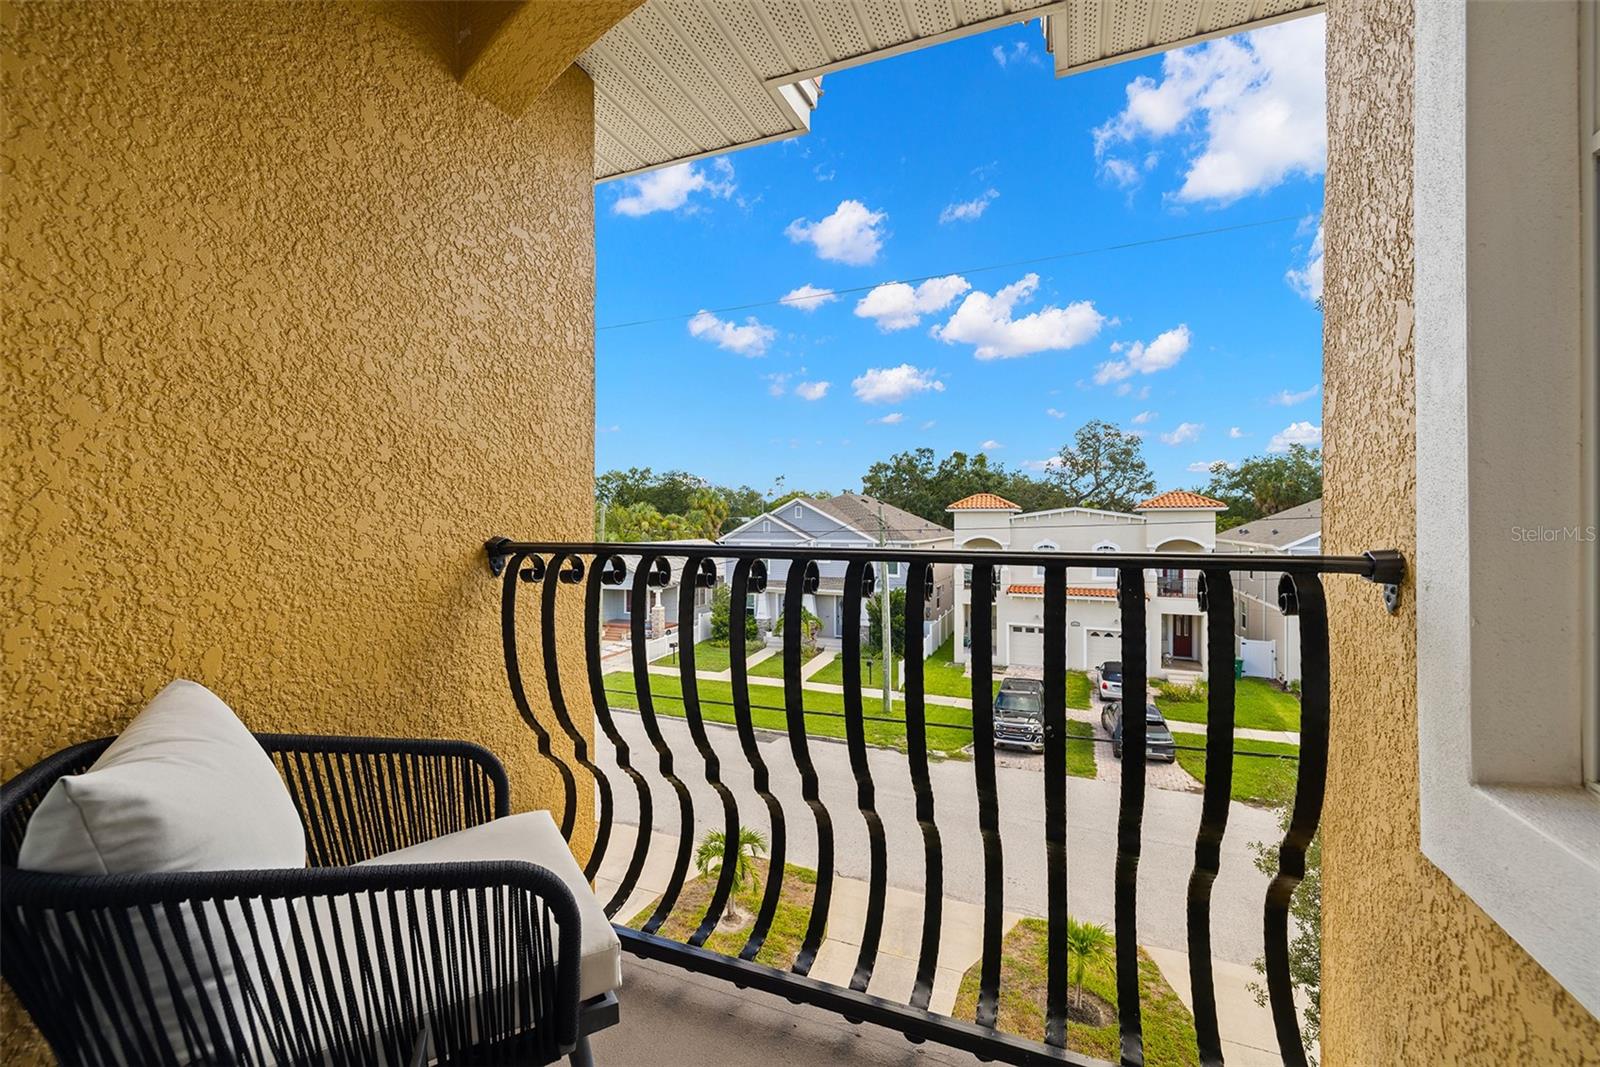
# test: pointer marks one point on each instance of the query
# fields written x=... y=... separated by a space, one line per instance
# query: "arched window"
x=1106 y=572
x=1043 y=546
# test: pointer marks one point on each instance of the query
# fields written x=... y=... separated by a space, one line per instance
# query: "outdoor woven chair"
x=394 y=944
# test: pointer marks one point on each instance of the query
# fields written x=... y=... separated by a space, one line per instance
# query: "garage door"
x=1103 y=645
x=1027 y=646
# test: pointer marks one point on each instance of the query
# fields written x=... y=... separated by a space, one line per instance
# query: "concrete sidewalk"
x=895 y=970
x=1249 y=1039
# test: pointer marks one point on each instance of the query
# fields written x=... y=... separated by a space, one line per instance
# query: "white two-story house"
x=849 y=520
x=1178 y=521
x=1269 y=640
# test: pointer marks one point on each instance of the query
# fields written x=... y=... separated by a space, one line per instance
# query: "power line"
x=1055 y=257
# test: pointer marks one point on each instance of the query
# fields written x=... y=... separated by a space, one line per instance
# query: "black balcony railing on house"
x=1171 y=582
x=588 y=568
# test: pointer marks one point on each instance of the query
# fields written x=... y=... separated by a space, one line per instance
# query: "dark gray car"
x=1158 y=742
x=1019 y=714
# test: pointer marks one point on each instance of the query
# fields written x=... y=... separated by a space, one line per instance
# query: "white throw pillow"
x=184 y=788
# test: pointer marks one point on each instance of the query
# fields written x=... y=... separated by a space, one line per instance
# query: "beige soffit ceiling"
x=682 y=79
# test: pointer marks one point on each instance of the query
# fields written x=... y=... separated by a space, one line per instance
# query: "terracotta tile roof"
x=1104 y=592
x=983 y=502
x=1181 y=499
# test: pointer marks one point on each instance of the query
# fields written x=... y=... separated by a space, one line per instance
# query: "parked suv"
x=1158 y=742
x=1019 y=714
x=1110 y=683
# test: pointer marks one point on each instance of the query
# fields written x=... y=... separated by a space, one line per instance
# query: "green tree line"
x=1103 y=466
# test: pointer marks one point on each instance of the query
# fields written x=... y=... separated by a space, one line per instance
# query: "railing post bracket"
x=495 y=550
x=1388 y=570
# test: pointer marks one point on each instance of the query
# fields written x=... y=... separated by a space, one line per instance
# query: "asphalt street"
x=1171 y=819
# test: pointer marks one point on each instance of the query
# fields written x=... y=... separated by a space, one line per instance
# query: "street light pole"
x=886 y=614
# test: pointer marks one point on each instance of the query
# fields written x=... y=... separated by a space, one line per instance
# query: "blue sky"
x=938 y=163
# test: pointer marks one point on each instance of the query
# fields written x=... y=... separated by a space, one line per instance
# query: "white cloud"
x=1296 y=433
x=811 y=390
x=1042 y=464
x=1256 y=104
x=1141 y=358
x=852 y=234
x=1288 y=399
x=750 y=339
x=1122 y=173
x=808 y=297
x=613 y=428
x=1307 y=280
x=1236 y=433
x=894 y=418
x=888 y=385
x=1145 y=416
x=1204 y=467
x=991 y=445
x=897 y=306
x=986 y=321
x=929 y=424
x=670 y=188
x=777 y=384
x=968 y=210
x=1017 y=53
x=1055 y=413
x=1185 y=432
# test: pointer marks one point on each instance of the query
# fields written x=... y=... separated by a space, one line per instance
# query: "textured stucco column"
x=293 y=322
x=1413 y=971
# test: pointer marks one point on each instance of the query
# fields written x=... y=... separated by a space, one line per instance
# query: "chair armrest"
x=360 y=797
x=297 y=962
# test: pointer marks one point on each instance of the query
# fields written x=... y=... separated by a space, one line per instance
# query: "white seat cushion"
x=532 y=836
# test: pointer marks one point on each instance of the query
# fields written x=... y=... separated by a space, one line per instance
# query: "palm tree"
x=708 y=860
x=1086 y=943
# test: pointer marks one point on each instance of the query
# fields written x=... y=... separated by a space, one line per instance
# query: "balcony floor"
x=671 y=1017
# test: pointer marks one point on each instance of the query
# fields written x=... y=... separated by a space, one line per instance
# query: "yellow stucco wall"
x=1413 y=971
x=292 y=323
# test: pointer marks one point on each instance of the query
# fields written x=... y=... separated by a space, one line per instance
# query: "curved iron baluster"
x=1216 y=600
x=1130 y=811
x=699 y=572
x=982 y=659
x=750 y=575
x=918 y=590
x=859 y=581
x=1299 y=594
x=655 y=571
x=552 y=675
x=1055 y=801
x=515 y=573
x=803 y=578
x=608 y=571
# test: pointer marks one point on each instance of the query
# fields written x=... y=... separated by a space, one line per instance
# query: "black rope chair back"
x=331 y=964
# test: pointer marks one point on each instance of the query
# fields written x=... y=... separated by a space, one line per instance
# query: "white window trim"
x=1044 y=546
x=1106 y=546
x=1504 y=812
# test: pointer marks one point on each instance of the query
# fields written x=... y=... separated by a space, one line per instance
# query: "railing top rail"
x=1381 y=565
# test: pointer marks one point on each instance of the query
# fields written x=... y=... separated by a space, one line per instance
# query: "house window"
x=750 y=603
x=1504 y=334
x=894 y=568
x=797 y=511
x=627 y=601
x=1042 y=546
x=766 y=525
x=1106 y=573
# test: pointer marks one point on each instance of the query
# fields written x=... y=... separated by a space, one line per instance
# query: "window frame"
x=1500 y=291
x=1106 y=573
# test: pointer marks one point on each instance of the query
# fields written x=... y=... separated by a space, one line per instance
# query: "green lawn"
x=1078 y=689
x=772 y=666
x=943 y=676
x=833 y=672
x=1080 y=754
x=1255 y=780
x=716 y=699
x=1257 y=705
x=784 y=936
x=1169 y=1037
x=708 y=656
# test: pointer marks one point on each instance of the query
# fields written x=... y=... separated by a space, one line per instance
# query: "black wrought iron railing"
x=587 y=570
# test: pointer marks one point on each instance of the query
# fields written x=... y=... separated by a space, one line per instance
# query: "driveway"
x=1170 y=822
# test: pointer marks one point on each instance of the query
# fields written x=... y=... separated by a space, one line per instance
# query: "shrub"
x=721 y=616
x=1192 y=693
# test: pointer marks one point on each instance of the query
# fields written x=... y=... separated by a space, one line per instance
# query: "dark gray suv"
x=1158 y=742
x=1019 y=714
